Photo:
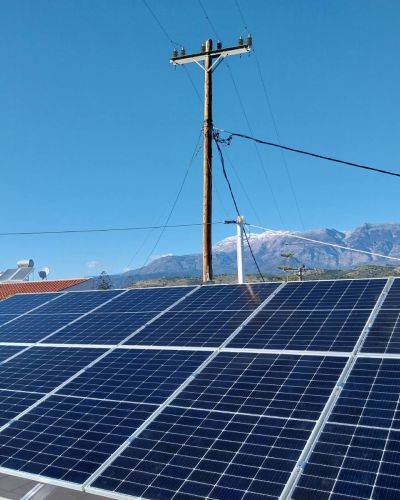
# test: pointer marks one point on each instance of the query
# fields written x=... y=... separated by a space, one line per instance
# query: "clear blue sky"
x=97 y=128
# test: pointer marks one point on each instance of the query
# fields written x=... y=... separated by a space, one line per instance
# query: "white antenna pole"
x=239 y=248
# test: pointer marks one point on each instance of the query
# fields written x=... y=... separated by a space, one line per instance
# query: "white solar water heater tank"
x=25 y=263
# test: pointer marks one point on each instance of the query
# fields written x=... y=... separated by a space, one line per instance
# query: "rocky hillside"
x=267 y=247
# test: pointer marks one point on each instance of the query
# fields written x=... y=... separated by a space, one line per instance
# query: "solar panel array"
x=221 y=391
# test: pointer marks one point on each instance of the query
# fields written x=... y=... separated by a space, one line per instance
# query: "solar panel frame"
x=11 y=304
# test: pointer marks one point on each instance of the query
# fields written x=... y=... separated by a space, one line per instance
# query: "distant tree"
x=104 y=281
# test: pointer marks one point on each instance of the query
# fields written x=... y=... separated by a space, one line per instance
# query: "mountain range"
x=268 y=246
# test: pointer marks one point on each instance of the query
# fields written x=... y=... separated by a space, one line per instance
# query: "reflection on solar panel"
x=19 y=304
x=68 y=438
x=147 y=299
x=33 y=327
x=141 y=376
x=227 y=297
x=194 y=329
x=78 y=302
x=186 y=453
x=264 y=384
x=342 y=294
x=8 y=351
x=100 y=328
x=175 y=413
x=42 y=369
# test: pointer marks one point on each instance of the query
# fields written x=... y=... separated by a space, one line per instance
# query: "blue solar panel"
x=392 y=300
x=342 y=294
x=147 y=299
x=370 y=395
x=78 y=302
x=8 y=351
x=194 y=329
x=33 y=327
x=4 y=318
x=384 y=335
x=335 y=330
x=20 y=304
x=101 y=328
x=186 y=454
x=12 y=403
x=264 y=384
x=227 y=297
x=141 y=376
x=42 y=369
x=68 y=438
x=350 y=462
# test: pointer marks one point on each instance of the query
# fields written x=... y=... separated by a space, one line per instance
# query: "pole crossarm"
x=214 y=54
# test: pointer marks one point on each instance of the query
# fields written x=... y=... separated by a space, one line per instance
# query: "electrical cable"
x=221 y=156
x=274 y=123
x=308 y=153
x=335 y=245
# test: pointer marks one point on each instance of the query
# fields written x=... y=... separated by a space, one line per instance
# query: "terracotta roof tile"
x=8 y=289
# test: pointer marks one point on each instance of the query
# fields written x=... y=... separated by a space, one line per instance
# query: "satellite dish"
x=44 y=273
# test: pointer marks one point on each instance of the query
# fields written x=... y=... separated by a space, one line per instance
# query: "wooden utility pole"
x=208 y=60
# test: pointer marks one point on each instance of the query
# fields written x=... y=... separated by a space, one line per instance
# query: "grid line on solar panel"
x=194 y=329
x=5 y=318
x=392 y=300
x=352 y=462
x=12 y=403
x=147 y=299
x=227 y=297
x=140 y=376
x=23 y=303
x=7 y=351
x=31 y=328
x=68 y=438
x=370 y=394
x=186 y=453
x=42 y=369
x=99 y=328
x=384 y=335
x=79 y=302
x=328 y=295
x=335 y=330
x=264 y=384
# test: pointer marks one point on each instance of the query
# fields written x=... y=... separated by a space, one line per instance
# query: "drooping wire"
x=173 y=43
x=243 y=109
x=309 y=153
x=194 y=155
x=274 y=123
x=217 y=141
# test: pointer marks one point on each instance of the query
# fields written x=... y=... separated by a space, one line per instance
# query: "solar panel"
x=147 y=299
x=141 y=376
x=186 y=453
x=315 y=330
x=68 y=438
x=8 y=273
x=42 y=369
x=264 y=384
x=352 y=462
x=341 y=294
x=12 y=403
x=193 y=329
x=22 y=273
x=8 y=351
x=78 y=302
x=227 y=297
x=101 y=328
x=392 y=301
x=20 y=304
x=5 y=318
x=33 y=327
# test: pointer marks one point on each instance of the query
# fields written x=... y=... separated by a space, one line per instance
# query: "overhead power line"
x=334 y=245
x=105 y=230
x=221 y=156
x=309 y=153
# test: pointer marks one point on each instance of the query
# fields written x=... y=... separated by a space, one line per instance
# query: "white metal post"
x=239 y=247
